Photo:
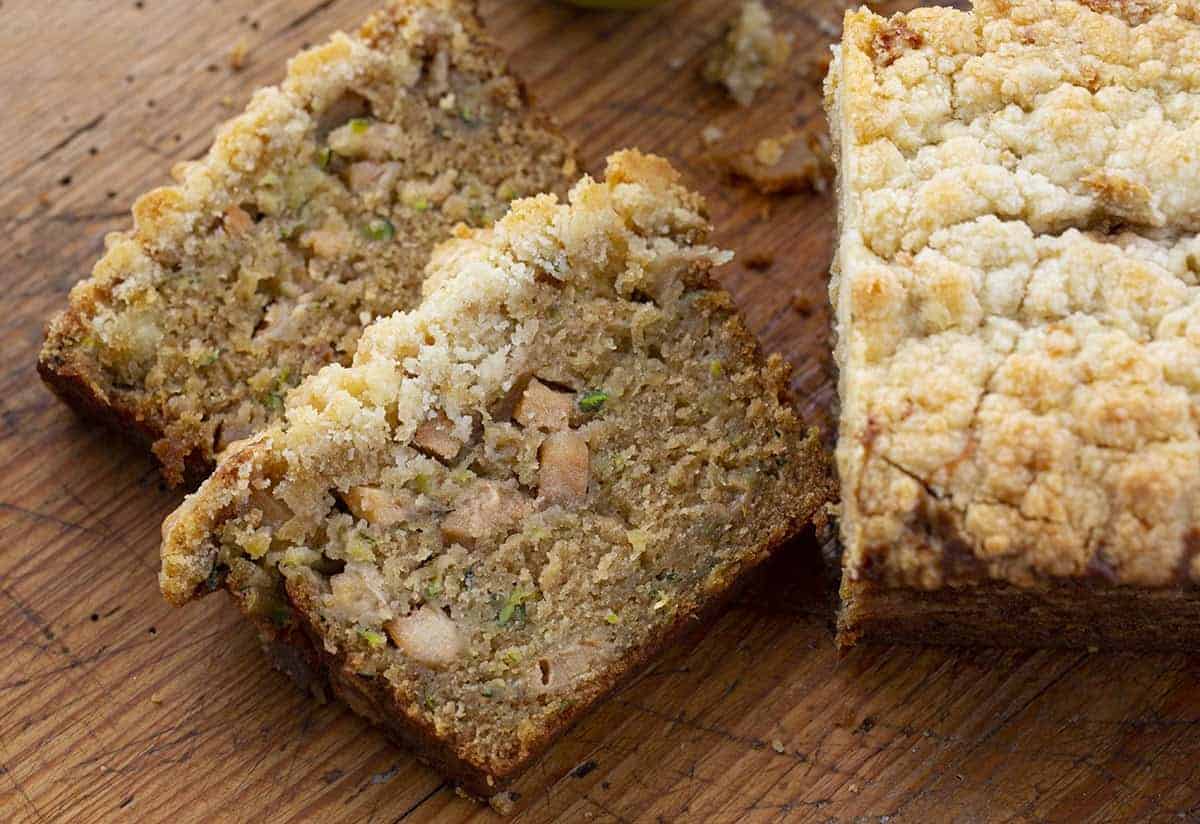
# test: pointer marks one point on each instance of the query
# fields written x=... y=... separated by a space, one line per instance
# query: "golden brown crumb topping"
x=1018 y=292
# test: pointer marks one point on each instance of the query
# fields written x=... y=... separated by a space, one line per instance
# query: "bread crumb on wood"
x=712 y=134
x=760 y=261
x=504 y=803
x=238 y=54
x=802 y=304
x=768 y=152
x=750 y=55
x=795 y=161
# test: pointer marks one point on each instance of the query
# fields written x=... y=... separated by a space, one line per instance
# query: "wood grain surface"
x=115 y=707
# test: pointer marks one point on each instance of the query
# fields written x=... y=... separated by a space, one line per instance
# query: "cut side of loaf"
x=313 y=213
x=520 y=490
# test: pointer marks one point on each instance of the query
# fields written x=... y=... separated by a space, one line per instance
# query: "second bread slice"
x=313 y=213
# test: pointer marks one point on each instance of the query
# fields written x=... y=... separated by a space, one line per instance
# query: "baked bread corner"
x=1016 y=303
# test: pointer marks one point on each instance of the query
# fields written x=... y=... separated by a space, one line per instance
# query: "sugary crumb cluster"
x=1018 y=292
x=751 y=54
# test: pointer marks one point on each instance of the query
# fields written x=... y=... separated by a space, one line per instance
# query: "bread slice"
x=519 y=490
x=1018 y=320
x=313 y=213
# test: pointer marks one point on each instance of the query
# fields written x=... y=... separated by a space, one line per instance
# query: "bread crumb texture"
x=313 y=213
x=1017 y=292
x=521 y=488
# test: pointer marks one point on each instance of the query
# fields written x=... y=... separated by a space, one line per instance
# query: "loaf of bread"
x=521 y=489
x=1018 y=320
x=313 y=213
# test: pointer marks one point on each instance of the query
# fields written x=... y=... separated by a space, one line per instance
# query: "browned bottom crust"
x=299 y=652
x=1073 y=615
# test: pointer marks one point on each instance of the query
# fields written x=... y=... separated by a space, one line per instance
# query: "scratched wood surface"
x=115 y=707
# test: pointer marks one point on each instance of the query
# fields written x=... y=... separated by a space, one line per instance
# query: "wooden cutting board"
x=113 y=706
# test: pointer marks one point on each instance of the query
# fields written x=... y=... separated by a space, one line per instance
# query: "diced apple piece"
x=428 y=636
x=284 y=320
x=436 y=436
x=357 y=595
x=541 y=407
x=367 y=174
x=378 y=507
x=365 y=139
x=564 y=468
x=487 y=508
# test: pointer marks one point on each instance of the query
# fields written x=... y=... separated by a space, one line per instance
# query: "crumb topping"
x=1018 y=292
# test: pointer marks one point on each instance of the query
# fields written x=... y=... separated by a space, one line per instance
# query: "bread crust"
x=69 y=377
x=1086 y=614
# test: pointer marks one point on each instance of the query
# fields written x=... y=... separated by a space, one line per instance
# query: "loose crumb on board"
x=504 y=803
x=760 y=261
x=750 y=55
x=795 y=161
x=769 y=151
x=802 y=304
x=712 y=134
x=238 y=54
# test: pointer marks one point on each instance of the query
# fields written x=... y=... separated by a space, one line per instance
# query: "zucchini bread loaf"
x=313 y=213
x=519 y=490
x=1017 y=296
